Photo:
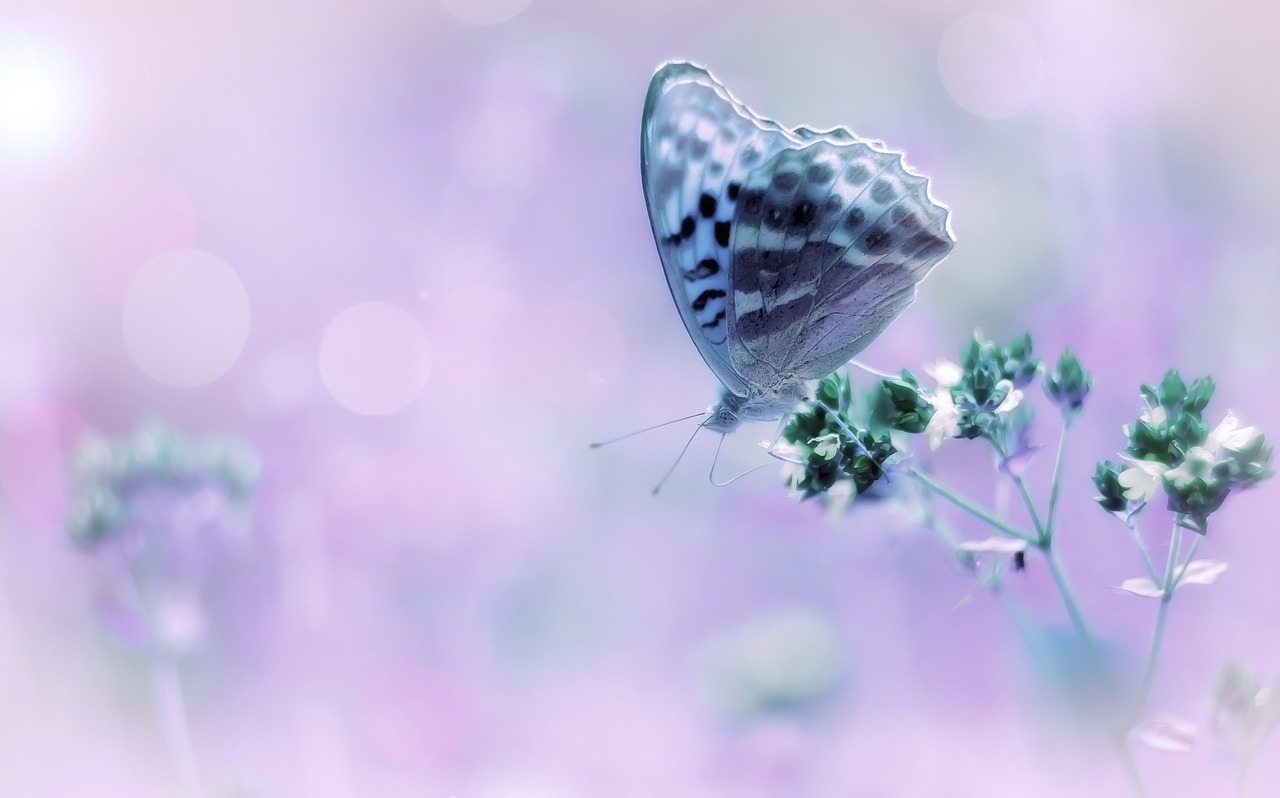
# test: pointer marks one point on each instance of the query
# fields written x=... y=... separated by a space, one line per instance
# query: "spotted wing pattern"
x=697 y=147
x=786 y=251
x=830 y=241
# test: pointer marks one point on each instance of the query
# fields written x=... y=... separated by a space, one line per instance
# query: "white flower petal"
x=1010 y=402
x=1155 y=415
x=1202 y=572
x=947 y=374
x=994 y=546
x=1141 y=586
x=1168 y=733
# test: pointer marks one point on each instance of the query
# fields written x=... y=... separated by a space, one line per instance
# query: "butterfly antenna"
x=598 y=444
x=874 y=372
x=711 y=475
x=680 y=457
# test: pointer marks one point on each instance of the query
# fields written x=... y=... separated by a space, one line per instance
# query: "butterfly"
x=787 y=251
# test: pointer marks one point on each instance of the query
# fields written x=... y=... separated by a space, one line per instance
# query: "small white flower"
x=1011 y=401
x=1229 y=435
x=1196 y=465
x=827 y=446
x=1141 y=481
x=947 y=374
x=1155 y=416
x=946 y=418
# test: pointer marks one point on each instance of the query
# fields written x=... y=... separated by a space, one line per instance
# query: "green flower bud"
x=1068 y=385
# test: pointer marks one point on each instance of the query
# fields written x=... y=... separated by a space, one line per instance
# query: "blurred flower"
x=1168 y=733
x=784 y=661
x=1243 y=712
x=946 y=373
x=945 y=421
x=1068 y=385
x=154 y=508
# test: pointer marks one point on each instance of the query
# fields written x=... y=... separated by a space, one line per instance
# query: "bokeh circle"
x=374 y=358
x=185 y=318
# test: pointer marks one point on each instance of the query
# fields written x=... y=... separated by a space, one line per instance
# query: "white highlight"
x=990 y=65
x=374 y=358
x=186 y=318
x=484 y=12
x=42 y=98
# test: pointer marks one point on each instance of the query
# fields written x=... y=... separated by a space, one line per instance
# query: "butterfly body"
x=787 y=251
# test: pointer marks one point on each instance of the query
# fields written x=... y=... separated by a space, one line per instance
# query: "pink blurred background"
x=424 y=280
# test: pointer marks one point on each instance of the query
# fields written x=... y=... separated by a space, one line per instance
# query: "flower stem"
x=1056 y=485
x=167 y=687
x=1142 y=550
x=969 y=507
x=1130 y=767
x=1157 y=633
x=1069 y=598
x=1025 y=492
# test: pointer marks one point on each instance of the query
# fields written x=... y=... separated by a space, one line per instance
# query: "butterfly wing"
x=830 y=239
x=697 y=147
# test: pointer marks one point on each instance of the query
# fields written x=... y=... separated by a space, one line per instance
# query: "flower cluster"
x=973 y=399
x=1172 y=448
x=118 y=476
x=840 y=438
x=826 y=445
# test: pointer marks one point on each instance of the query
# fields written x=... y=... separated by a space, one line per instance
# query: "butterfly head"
x=730 y=410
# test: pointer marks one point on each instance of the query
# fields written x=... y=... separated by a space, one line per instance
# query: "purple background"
x=459 y=598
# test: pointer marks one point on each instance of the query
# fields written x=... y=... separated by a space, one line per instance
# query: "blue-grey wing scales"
x=697 y=146
x=830 y=242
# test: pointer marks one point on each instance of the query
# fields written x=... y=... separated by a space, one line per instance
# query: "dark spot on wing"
x=854 y=218
x=802 y=214
x=705 y=268
x=820 y=173
x=833 y=205
x=876 y=240
x=698 y=149
x=785 y=181
x=882 y=192
x=775 y=218
x=927 y=245
x=719 y=318
x=700 y=303
x=857 y=174
x=750 y=155
x=753 y=203
x=715 y=169
x=687 y=227
x=733 y=190
x=722 y=233
x=905 y=219
x=707 y=206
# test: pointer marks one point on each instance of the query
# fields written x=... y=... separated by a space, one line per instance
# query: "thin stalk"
x=1056 y=485
x=1069 y=598
x=1125 y=756
x=1191 y=555
x=1162 y=614
x=969 y=507
x=167 y=687
x=1027 y=501
x=1142 y=549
